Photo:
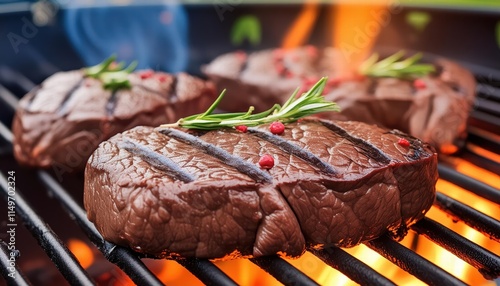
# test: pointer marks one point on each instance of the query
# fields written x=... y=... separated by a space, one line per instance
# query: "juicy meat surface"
x=434 y=109
x=172 y=192
x=62 y=121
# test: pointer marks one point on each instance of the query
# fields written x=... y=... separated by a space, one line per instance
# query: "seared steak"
x=61 y=122
x=433 y=108
x=175 y=192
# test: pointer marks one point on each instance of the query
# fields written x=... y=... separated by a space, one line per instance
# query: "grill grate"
x=485 y=261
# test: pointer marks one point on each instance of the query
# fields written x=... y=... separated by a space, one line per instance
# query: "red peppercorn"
x=277 y=128
x=146 y=74
x=310 y=81
x=419 y=84
x=266 y=161
x=403 y=142
x=241 y=128
x=280 y=68
x=241 y=56
x=161 y=77
x=334 y=81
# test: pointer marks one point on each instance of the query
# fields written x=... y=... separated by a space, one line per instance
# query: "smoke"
x=156 y=35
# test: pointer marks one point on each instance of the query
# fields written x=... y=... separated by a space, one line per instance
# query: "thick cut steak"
x=173 y=192
x=61 y=122
x=433 y=108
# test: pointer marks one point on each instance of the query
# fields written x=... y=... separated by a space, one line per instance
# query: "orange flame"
x=301 y=28
x=355 y=28
x=82 y=252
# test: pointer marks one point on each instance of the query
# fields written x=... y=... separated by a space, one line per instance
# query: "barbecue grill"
x=49 y=214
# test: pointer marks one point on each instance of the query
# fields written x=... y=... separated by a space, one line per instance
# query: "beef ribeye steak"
x=62 y=121
x=433 y=108
x=175 y=192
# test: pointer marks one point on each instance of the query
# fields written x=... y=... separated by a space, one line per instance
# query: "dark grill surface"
x=485 y=120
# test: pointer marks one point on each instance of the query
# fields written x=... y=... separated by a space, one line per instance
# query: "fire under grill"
x=32 y=202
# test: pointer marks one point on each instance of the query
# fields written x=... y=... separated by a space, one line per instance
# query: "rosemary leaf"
x=309 y=103
x=396 y=66
x=113 y=77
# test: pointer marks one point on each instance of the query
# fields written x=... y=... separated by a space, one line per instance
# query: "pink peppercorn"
x=241 y=128
x=146 y=74
x=277 y=128
x=241 y=56
x=419 y=84
x=266 y=161
x=403 y=142
x=161 y=77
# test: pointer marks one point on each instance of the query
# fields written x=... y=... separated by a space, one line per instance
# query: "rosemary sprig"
x=113 y=76
x=294 y=108
x=395 y=66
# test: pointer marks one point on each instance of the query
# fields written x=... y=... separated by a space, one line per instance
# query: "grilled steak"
x=433 y=108
x=172 y=192
x=61 y=122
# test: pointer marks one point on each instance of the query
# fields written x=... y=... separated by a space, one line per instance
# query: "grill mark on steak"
x=173 y=87
x=62 y=111
x=244 y=66
x=31 y=96
x=156 y=160
x=368 y=149
x=372 y=86
x=111 y=104
x=148 y=89
x=294 y=150
x=239 y=164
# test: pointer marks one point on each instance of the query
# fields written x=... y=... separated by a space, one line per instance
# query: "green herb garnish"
x=395 y=66
x=113 y=75
x=294 y=108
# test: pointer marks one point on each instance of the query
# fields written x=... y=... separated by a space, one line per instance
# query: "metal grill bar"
x=412 y=262
x=488 y=91
x=17 y=278
x=485 y=261
x=206 y=271
x=473 y=218
x=8 y=97
x=350 y=266
x=64 y=259
x=283 y=271
x=5 y=133
x=479 y=188
x=488 y=106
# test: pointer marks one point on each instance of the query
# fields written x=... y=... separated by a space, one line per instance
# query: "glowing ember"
x=82 y=252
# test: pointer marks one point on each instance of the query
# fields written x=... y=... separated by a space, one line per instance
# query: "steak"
x=171 y=192
x=433 y=108
x=61 y=122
